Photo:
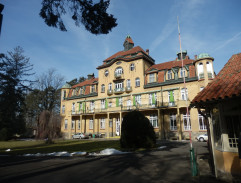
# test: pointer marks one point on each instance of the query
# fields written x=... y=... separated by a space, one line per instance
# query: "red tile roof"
x=226 y=84
x=128 y=39
x=170 y=64
x=126 y=53
x=86 y=82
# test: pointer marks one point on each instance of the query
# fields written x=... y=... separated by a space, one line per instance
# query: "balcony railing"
x=109 y=92
x=128 y=89
x=119 y=90
x=118 y=75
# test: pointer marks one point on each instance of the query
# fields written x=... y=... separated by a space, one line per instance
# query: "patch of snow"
x=162 y=147
x=108 y=151
x=8 y=150
x=78 y=153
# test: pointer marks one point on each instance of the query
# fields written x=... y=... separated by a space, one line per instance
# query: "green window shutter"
x=106 y=104
x=134 y=101
x=153 y=99
x=117 y=102
x=171 y=96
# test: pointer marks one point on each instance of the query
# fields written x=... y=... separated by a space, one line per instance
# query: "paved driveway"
x=171 y=164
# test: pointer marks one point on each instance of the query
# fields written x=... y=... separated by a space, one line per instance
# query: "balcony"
x=128 y=89
x=118 y=75
x=119 y=90
x=109 y=92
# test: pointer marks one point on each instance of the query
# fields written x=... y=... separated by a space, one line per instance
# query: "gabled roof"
x=86 y=82
x=134 y=53
x=225 y=85
x=170 y=64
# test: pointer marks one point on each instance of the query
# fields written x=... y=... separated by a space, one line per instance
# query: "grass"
x=39 y=146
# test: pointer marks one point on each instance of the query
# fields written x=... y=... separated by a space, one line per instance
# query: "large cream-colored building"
x=131 y=80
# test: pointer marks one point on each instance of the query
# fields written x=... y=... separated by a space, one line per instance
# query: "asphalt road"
x=171 y=164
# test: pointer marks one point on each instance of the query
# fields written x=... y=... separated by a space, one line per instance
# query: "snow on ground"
x=108 y=151
x=162 y=147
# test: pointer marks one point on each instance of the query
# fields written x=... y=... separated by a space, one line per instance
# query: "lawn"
x=39 y=146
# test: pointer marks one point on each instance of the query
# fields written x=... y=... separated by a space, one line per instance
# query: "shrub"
x=137 y=131
x=4 y=134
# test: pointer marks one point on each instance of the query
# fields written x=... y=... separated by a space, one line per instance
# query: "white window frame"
x=102 y=103
x=152 y=78
x=128 y=83
x=200 y=69
x=92 y=88
x=128 y=104
x=102 y=88
x=119 y=70
x=154 y=120
x=138 y=99
x=73 y=124
x=110 y=86
x=119 y=86
x=92 y=106
x=120 y=101
x=184 y=96
x=201 y=120
x=63 y=109
x=73 y=108
x=106 y=73
x=110 y=104
x=137 y=81
x=183 y=72
x=132 y=67
x=102 y=123
x=150 y=98
x=65 y=124
x=173 y=121
x=169 y=74
x=186 y=122
x=91 y=124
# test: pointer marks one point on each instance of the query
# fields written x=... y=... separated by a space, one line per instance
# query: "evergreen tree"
x=14 y=73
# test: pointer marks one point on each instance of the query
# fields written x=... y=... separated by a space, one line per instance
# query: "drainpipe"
x=210 y=127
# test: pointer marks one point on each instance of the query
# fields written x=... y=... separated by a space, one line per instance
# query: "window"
x=103 y=88
x=92 y=106
x=91 y=124
x=137 y=82
x=152 y=99
x=202 y=125
x=183 y=72
x=110 y=104
x=118 y=102
x=153 y=120
x=92 y=88
x=138 y=99
x=233 y=128
x=169 y=74
x=132 y=67
x=81 y=91
x=119 y=86
x=66 y=124
x=209 y=70
x=173 y=122
x=128 y=104
x=183 y=94
x=78 y=124
x=186 y=122
x=73 y=108
x=106 y=73
x=171 y=98
x=111 y=123
x=118 y=71
x=152 y=78
x=72 y=125
x=64 y=95
x=200 y=71
x=102 y=103
x=80 y=106
x=63 y=109
x=128 y=83
x=110 y=86
x=102 y=123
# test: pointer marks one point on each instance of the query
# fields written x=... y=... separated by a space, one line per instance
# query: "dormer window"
x=92 y=88
x=169 y=74
x=152 y=78
x=182 y=72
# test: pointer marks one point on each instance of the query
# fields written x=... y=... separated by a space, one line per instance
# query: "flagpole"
x=192 y=155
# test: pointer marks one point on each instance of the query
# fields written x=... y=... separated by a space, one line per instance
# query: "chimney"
x=147 y=51
x=91 y=76
x=184 y=54
x=195 y=56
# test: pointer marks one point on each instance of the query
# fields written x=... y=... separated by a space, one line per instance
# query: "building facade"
x=130 y=80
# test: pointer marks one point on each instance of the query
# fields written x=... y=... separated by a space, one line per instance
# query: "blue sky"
x=210 y=26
